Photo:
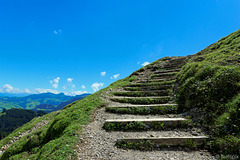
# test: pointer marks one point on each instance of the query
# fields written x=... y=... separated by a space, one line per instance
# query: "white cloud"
x=115 y=76
x=138 y=62
x=70 y=80
x=83 y=87
x=145 y=63
x=27 y=91
x=103 y=73
x=55 y=82
x=41 y=90
x=7 y=88
x=96 y=86
x=57 y=32
x=75 y=93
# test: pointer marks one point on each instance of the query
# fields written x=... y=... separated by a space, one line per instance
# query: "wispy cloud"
x=103 y=73
x=138 y=62
x=55 y=82
x=41 y=90
x=83 y=86
x=75 y=93
x=145 y=63
x=115 y=76
x=96 y=86
x=27 y=91
x=70 y=83
x=58 y=32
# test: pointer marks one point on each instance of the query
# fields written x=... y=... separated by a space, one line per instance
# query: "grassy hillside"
x=14 y=118
x=210 y=82
x=57 y=139
x=33 y=101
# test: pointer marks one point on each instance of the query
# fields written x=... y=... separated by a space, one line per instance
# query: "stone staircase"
x=145 y=109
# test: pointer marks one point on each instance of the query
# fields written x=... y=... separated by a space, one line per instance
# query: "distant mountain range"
x=46 y=101
x=14 y=94
x=11 y=119
x=51 y=108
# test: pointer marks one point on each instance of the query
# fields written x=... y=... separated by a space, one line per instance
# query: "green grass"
x=144 y=110
x=143 y=100
x=141 y=93
x=57 y=139
x=211 y=81
x=49 y=142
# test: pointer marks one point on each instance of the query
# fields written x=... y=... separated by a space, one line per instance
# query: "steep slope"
x=14 y=118
x=206 y=90
x=210 y=82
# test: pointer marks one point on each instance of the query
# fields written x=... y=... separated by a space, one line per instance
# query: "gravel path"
x=100 y=145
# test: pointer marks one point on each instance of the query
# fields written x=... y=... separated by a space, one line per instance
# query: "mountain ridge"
x=33 y=100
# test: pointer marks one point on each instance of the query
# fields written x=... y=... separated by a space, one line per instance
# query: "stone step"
x=148 y=80
x=170 y=74
x=148 y=88
x=157 y=109
x=145 y=120
x=165 y=77
x=143 y=100
x=133 y=116
x=139 y=106
x=141 y=93
x=168 y=67
x=144 y=124
x=159 y=142
x=133 y=84
x=181 y=61
x=167 y=71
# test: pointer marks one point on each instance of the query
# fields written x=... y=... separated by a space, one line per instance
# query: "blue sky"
x=77 y=46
